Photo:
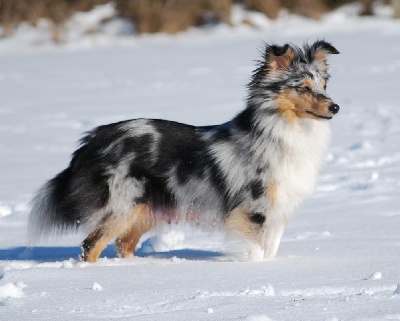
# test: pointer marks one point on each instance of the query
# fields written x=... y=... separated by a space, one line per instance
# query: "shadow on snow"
x=50 y=254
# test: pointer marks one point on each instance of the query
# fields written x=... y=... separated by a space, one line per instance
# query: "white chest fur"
x=296 y=172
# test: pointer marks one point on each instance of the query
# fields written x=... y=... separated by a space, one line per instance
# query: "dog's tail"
x=52 y=213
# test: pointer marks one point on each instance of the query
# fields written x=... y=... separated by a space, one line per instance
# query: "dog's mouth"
x=318 y=116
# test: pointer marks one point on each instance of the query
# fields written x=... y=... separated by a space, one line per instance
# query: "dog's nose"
x=334 y=108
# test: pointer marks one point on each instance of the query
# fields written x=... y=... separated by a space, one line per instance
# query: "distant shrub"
x=172 y=16
x=149 y=16
x=13 y=12
x=270 y=8
x=309 y=8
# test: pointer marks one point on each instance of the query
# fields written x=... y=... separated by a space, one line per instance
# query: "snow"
x=376 y=276
x=4 y=210
x=11 y=290
x=96 y=287
x=339 y=258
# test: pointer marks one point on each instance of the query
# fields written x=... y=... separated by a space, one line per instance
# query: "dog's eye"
x=307 y=89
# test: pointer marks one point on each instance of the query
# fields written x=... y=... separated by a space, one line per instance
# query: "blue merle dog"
x=247 y=175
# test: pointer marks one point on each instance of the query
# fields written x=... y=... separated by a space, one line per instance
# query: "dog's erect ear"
x=278 y=58
x=319 y=52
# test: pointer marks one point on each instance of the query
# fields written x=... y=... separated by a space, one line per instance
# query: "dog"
x=246 y=176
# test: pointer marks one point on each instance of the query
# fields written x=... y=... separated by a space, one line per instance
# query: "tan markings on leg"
x=272 y=191
x=95 y=252
x=127 y=241
x=239 y=221
x=93 y=245
x=97 y=240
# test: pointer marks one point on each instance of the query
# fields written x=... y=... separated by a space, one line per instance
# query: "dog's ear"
x=278 y=58
x=319 y=52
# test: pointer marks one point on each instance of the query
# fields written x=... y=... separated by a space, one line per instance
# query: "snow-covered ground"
x=340 y=256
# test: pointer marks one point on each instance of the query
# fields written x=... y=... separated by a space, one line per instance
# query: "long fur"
x=247 y=175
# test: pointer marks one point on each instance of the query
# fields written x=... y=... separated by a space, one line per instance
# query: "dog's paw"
x=256 y=253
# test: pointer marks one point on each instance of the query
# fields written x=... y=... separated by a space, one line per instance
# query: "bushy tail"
x=49 y=214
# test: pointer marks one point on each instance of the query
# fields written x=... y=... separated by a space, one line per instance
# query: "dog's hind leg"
x=127 y=241
x=94 y=244
x=110 y=228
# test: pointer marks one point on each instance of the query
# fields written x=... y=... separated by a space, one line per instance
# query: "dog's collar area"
x=319 y=116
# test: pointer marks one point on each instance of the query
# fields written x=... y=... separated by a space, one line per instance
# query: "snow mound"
x=171 y=240
x=82 y=23
x=375 y=276
x=96 y=287
x=11 y=290
x=5 y=210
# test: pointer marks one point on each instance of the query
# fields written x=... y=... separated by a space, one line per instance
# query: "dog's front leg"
x=273 y=232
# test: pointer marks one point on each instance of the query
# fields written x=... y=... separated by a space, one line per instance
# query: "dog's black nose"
x=334 y=108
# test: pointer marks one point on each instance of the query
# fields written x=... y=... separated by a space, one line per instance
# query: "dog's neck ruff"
x=290 y=152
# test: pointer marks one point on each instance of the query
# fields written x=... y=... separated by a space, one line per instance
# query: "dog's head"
x=295 y=80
